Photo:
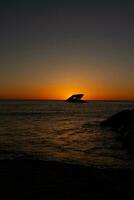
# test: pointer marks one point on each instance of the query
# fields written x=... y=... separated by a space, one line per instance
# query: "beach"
x=35 y=179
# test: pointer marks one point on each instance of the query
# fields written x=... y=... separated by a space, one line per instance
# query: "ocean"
x=61 y=131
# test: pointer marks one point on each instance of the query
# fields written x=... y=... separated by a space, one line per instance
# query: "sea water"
x=61 y=131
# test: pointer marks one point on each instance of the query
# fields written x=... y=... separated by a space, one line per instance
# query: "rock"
x=123 y=123
x=118 y=120
x=128 y=140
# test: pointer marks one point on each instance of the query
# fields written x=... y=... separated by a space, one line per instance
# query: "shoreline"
x=37 y=179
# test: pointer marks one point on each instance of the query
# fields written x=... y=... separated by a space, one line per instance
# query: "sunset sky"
x=52 y=49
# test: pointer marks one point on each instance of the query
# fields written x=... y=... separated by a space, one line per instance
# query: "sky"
x=53 y=49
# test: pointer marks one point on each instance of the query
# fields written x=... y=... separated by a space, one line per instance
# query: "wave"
x=24 y=113
x=37 y=113
x=30 y=113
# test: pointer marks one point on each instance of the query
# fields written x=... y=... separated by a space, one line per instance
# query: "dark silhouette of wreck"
x=76 y=98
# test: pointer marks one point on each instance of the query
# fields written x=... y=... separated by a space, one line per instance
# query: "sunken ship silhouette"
x=76 y=98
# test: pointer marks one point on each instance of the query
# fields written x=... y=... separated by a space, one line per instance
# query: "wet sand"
x=32 y=179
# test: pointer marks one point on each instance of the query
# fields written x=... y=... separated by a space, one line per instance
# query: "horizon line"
x=34 y=99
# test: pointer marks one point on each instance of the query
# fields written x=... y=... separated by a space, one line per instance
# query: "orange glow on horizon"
x=59 y=92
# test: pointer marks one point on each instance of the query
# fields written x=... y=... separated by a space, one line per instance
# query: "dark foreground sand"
x=27 y=179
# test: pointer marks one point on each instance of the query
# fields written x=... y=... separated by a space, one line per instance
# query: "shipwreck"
x=76 y=98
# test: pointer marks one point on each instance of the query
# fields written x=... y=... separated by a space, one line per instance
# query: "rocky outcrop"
x=123 y=123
